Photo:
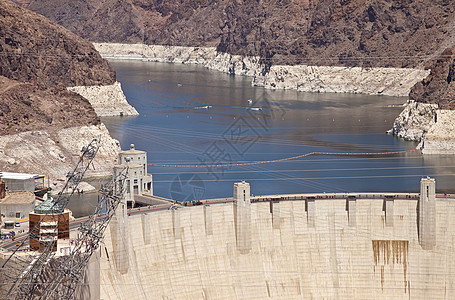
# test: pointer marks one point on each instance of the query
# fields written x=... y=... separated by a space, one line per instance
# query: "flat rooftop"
x=18 y=198
x=19 y=176
x=132 y=152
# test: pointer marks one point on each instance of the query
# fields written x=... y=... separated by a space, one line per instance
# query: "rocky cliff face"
x=414 y=121
x=27 y=107
x=373 y=81
x=36 y=50
x=55 y=152
x=43 y=125
x=439 y=86
x=107 y=100
x=314 y=32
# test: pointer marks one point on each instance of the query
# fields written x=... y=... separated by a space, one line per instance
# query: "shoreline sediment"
x=371 y=81
x=427 y=124
x=106 y=100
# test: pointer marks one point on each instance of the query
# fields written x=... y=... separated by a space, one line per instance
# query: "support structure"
x=427 y=213
x=71 y=270
x=311 y=211
x=275 y=211
x=351 y=208
x=388 y=210
x=24 y=274
x=242 y=216
x=40 y=275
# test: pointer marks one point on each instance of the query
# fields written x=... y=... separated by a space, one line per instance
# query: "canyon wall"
x=373 y=81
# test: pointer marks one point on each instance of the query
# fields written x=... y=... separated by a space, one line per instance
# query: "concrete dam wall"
x=320 y=249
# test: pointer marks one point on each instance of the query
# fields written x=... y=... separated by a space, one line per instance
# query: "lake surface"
x=193 y=116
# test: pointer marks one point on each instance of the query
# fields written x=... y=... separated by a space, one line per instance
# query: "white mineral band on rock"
x=107 y=100
x=371 y=81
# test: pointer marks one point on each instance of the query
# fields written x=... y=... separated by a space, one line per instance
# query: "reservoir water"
x=193 y=116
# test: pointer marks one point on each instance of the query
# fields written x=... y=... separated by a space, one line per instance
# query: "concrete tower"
x=139 y=180
x=427 y=213
x=242 y=216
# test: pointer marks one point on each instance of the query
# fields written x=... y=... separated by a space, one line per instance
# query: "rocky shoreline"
x=371 y=81
x=321 y=79
x=106 y=100
x=425 y=123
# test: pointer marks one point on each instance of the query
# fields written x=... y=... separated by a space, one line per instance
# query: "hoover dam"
x=307 y=246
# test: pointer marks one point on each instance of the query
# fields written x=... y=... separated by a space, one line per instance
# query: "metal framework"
x=91 y=232
x=22 y=272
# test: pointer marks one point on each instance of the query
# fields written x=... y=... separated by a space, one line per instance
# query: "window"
x=135 y=181
x=18 y=215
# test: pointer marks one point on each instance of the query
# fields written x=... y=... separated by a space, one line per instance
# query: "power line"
x=282 y=159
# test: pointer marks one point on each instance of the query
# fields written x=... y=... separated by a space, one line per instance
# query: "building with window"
x=48 y=223
x=138 y=182
x=15 y=207
x=21 y=182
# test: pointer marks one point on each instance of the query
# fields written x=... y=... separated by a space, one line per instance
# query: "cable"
x=282 y=159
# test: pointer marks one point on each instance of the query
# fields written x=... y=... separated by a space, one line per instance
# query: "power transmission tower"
x=23 y=272
x=91 y=232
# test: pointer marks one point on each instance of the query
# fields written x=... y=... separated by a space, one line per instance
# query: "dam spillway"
x=320 y=248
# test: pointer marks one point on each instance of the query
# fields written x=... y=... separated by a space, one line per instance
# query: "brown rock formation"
x=38 y=59
x=317 y=32
x=439 y=86
x=35 y=49
x=373 y=33
x=26 y=107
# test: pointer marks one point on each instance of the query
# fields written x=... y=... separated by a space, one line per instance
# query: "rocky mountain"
x=36 y=50
x=27 y=107
x=38 y=60
x=366 y=33
x=439 y=86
